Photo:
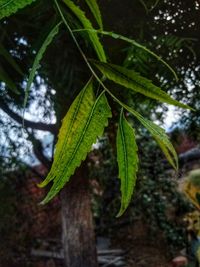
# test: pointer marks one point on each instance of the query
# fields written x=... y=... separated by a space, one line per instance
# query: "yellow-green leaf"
x=127 y=161
x=132 y=80
x=84 y=122
x=157 y=132
x=95 y=11
x=160 y=136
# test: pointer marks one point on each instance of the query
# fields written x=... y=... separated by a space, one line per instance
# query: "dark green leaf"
x=8 y=7
x=132 y=42
x=10 y=59
x=127 y=161
x=36 y=63
x=4 y=77
x=88 y=25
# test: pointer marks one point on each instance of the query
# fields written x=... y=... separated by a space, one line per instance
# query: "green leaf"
x=132 y=42
x=8 y=81
x=10 y=59
x=84 y=122
x=127 y=161
x=88 y=25
x=162 y=139
x=159 y=134
x=95 y=11
x=132 y=80
x=36 y=63
x=8 y=7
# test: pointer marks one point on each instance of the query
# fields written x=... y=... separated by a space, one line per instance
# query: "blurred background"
x=162 y=221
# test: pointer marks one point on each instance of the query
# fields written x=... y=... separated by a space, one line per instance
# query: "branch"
x=190 y=155
x=38 y=151
x=36 y=172
x=28 y=124
x=183 y=158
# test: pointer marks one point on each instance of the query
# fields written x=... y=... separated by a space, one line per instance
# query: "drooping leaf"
x=132 y=42
x=10 y=59
x=4 y=77
x=8 y=7
x=159 y=134
x=36 y=63
x=162 y=139
x=84 y=122
x=127 y=161
x=168 y=151
x=95 y=11
x=132 y=80
x=88 y=25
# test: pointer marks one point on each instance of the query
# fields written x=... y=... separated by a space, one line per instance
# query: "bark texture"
x=77 y=222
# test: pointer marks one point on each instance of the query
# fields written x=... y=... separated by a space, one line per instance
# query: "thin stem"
x=86 y=60
x=79 y=48
x=133 y=42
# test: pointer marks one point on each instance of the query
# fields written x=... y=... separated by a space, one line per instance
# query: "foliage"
x=157 y=203
x=36 y=63
x=191 y=187
x=132 y=80
x=8 y=7
x=87 y=24
x=84 y=122
x=127 y=160
x=122 y=76
x=95 y=11
x=63 y=73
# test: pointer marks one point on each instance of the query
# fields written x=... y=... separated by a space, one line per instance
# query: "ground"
x=143 y=249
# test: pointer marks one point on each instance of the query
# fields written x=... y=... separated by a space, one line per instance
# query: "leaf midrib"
x=6 y=4
x=160 y=92
x=83 y=134
x=124 y=152
x=86 y=23
x=60 y=157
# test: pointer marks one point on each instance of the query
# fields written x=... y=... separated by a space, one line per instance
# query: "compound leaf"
x=127 y=161
x=132 y=80
x=134 y=43
x=84 y=122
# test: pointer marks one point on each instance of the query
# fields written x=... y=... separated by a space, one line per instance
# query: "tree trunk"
x=77 y=222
